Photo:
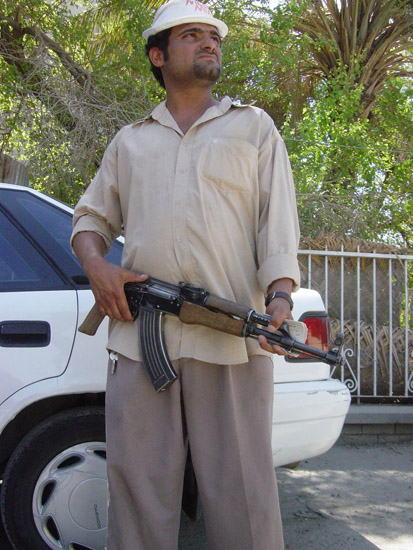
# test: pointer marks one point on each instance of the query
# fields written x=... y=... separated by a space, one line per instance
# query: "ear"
x=156 y=56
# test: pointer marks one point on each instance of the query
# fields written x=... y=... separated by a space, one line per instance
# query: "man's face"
x=194 y=53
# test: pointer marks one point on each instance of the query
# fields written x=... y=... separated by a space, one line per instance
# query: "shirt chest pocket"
x=230 y=165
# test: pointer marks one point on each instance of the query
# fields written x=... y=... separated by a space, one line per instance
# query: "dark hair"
x=161 y=41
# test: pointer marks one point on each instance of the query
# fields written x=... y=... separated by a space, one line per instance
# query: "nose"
x=209 y=43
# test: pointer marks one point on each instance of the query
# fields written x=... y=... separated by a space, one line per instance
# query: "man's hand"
x=106 y=279
x=280 y=310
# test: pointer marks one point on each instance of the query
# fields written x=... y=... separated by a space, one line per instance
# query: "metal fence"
x=369 y=297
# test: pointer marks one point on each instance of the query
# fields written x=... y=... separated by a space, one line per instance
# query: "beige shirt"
x=214 y=207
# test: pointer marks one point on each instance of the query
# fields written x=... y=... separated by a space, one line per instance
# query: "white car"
x=52 y=391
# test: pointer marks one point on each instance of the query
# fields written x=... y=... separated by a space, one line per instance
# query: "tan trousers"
x=224 y=412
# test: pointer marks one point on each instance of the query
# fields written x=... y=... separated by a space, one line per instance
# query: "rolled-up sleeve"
x=99 y=208
x=278 y=229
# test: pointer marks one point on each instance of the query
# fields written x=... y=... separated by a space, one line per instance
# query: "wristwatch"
x=279 y=294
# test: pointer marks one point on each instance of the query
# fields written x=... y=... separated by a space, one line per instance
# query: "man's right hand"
x=106 y=279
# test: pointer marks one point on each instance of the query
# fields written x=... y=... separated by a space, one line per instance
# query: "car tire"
x=292 y=465
x=54 y=491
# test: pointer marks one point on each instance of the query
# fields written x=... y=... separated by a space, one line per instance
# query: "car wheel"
x=54 y=491
x=292 y=465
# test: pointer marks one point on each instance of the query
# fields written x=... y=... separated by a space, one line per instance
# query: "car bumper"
x=308 y=418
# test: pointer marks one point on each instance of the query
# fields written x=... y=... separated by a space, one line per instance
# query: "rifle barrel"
x=292 y=346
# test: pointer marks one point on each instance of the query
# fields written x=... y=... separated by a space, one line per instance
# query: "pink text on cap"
x=199 y=6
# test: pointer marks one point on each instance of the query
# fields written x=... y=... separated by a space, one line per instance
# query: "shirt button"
x=179 y=201
x=180 y=239
x=182 y=171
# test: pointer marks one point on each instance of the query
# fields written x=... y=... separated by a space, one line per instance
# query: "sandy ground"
x=351 y=498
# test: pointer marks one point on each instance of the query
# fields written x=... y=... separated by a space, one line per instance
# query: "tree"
x=61 y=99
x=353 y=175
x=351 y=149
x=369 y=39
x=333 y=76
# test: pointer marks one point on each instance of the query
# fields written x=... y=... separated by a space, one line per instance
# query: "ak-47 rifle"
x=152 y=299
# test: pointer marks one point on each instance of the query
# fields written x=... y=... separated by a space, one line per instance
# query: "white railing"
x=369 y=297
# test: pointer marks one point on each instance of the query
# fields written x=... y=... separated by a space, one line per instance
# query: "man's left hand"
x=279 y=309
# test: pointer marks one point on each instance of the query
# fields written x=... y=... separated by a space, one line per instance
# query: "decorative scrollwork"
x=410 y=383
x=351 y=382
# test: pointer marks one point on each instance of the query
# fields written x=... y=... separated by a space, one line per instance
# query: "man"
x=203 y=191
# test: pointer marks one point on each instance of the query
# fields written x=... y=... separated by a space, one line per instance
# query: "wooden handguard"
x=92 y=321
x=191 y=314
x=226 y=306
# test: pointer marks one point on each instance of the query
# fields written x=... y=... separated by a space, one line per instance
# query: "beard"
x=204 y=71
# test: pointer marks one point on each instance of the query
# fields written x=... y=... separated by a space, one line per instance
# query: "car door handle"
x=81 y=280
x=24 y=334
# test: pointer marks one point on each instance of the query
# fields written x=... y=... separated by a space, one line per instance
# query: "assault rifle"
x=152 y=299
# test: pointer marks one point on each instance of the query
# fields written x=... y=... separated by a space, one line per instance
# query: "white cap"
x=178 y=12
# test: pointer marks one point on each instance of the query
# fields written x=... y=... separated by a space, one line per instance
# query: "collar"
x=162 y=115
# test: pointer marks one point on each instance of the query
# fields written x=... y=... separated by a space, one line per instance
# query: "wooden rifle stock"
x=92 y=321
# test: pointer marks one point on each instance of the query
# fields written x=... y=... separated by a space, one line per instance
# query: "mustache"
x=206 y=53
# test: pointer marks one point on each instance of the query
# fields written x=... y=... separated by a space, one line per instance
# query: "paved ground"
x=351 y=498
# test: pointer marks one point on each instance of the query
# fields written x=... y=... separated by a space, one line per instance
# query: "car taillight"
x=318 y=334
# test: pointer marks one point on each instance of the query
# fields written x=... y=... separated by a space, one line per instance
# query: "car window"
x=21 y=266
x=58 y=224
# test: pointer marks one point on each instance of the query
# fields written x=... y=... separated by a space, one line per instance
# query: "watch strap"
x=279 y=294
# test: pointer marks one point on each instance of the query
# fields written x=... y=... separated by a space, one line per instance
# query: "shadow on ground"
x=351 y=498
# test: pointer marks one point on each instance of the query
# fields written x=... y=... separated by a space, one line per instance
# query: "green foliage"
x=67 y=86
x=354 y=152
x=353 y=174
x=333 y=76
